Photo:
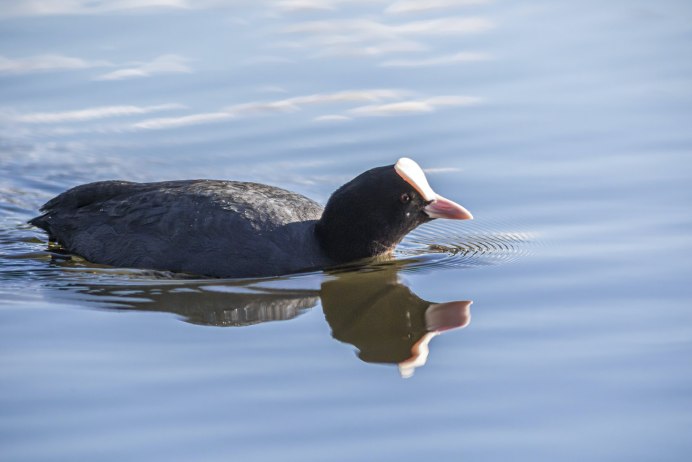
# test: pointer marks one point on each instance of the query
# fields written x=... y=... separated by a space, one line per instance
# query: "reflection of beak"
x=439 y=317
x=442 y=207
x=445 y=316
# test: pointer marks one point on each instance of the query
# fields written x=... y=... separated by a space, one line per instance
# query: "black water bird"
x=237 y=229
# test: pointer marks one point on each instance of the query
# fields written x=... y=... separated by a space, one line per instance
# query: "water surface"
x=563 y=126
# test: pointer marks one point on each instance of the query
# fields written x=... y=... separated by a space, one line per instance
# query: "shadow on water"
x=370 y=309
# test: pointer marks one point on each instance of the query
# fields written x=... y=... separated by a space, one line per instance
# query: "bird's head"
x=371 y=214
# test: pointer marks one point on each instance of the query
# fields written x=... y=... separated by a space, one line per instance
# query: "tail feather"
x=78 y=197
x=87 y=194
x=40 y=221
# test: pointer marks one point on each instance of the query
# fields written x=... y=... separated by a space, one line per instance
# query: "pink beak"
x=441 y=207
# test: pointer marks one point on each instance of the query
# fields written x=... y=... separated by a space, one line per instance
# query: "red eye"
x=405 y=198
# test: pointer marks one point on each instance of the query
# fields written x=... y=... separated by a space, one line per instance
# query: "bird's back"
x=206 y=227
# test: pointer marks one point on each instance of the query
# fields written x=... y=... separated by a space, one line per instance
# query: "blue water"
x=563 y=126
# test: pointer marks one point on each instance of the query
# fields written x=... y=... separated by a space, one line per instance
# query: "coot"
x=235 y=229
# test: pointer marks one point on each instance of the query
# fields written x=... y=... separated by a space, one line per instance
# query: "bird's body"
x=233 y=229
x=207 y=227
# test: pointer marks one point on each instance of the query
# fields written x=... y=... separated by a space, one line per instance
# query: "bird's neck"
x=344 y=242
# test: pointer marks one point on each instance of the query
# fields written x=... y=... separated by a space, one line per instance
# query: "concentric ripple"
x=455 y=244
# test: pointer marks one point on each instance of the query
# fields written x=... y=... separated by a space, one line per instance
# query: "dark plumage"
x=235 y=229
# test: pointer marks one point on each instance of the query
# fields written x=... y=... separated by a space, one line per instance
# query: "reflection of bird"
x=234 y=229
x=210 y=305
x=385 y=320
x=371 y=310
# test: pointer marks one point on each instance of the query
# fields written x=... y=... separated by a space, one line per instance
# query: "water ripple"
x=451 y=244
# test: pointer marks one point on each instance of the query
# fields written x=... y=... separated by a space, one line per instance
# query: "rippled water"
x=555 y=326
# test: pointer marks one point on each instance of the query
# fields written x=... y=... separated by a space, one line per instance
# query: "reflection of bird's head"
x=439 y=317
x=385 y=320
